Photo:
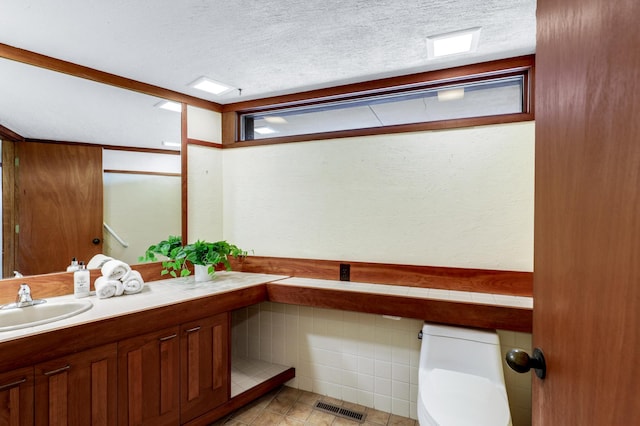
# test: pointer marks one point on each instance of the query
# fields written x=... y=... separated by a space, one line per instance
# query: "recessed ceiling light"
x=450 y=94
x=275 y=120
x=175 y=144
x=264 y=130
x=211 y=86
x=170 y=106
x=453 y=43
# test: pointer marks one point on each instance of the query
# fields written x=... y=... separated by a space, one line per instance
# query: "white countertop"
x=161 y=293
x=155 y=294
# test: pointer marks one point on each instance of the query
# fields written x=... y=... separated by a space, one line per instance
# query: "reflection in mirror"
x=141 y=179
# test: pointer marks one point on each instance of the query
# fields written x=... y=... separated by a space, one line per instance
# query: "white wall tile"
x=359 y=358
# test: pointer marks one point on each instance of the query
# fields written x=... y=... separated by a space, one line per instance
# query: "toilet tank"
x=466 y=350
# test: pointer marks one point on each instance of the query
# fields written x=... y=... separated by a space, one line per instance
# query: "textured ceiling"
x=263 y=47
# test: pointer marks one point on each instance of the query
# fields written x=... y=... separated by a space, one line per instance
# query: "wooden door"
x=16 y=397
x=587 y=212
x=204 y=351
x=148 y=379
x=79 y=389
x=59 y=205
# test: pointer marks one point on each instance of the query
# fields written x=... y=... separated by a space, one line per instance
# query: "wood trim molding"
x=401 y=128
x=440 y=311
x=449 y=74
x=206 y=144
x=108 y=147
x=462 y=279
x=139 y=172
x=7 y=134
x=58 y=65
x=184 y=169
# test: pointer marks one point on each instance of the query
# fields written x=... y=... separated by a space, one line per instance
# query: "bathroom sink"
x=15 y=318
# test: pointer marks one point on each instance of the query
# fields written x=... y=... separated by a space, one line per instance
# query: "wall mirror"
x=141 y=184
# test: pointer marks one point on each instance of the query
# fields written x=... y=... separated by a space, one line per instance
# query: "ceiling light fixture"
x=275 y=120
x=450 y=94
x=170 y=106
x=454 y=43
x=174 y=144
x=211 y=86
x=264 y=130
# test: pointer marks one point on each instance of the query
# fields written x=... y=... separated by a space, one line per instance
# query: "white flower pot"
x=201 y=273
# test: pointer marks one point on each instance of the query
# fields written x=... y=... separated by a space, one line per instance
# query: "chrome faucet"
x=24 y=296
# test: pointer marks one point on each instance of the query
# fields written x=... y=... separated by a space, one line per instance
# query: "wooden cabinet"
x=174 y=375
x=148 y=379
x=16 y=397
x=79 y=389
x=204 y=365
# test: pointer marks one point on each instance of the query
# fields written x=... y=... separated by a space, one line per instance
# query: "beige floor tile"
x=309 y=398
x=318 y=418
x=248 y=415
x=340 y=421
x=300 y=411
x=267 y=418
x=400 y=421
x=292 y=407
x=280 y=404
x=290 y=421
x=377 y=417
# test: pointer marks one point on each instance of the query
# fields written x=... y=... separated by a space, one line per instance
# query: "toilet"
x=460 y=378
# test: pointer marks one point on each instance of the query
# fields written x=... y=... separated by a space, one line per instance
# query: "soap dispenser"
x=81 y=278
x=73 y=266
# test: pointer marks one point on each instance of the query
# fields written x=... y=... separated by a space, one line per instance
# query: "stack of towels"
x=117 y=277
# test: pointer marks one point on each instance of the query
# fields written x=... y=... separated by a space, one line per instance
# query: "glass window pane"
x=477 y=99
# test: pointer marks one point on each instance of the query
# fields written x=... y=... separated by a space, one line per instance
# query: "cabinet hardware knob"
x=164 y=339
x=191 y=330
x=58 y=370
x=12 y=385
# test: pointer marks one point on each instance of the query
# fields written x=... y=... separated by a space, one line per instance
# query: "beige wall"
x=461 y=198
x=204 y=177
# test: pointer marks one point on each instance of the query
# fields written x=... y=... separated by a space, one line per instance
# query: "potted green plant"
x=203 y=255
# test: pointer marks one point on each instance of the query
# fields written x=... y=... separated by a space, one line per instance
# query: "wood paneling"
x=464 y=279
x=77 y=389
x=16 y=397
x=244 y=398
x=204 y=365
x=7 y=134
x=148 y=379
x=53 y=64
x=446 y=312
x=59 y=205
x=37 y=348
x=587 y=210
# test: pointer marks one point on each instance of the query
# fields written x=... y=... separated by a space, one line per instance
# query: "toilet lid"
x=458 y=399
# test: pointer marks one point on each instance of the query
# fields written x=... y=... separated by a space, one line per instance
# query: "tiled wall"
x=360 y=358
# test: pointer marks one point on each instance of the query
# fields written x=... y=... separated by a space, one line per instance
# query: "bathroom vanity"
x=163 y=356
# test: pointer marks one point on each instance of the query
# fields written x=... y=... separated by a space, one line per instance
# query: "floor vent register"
x=339 y=411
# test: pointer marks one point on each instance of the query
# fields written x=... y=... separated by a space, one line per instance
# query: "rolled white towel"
x=98 y=261
x=132 y=282
x=106 y=288
x=115 y=269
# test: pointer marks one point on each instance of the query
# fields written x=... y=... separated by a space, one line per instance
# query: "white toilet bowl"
x=460 y=379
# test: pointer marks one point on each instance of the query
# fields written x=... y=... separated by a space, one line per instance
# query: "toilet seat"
x=451 y=398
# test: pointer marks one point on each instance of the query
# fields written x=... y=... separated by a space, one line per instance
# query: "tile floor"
x=289 y=406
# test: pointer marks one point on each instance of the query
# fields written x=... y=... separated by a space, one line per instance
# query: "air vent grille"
x=339 y=411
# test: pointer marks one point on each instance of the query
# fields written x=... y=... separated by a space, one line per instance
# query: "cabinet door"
x=148 y=386
x=79 y=389
x=16 y=397
x=204 y=365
